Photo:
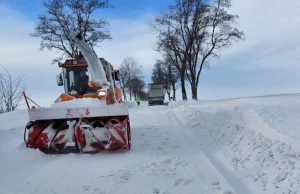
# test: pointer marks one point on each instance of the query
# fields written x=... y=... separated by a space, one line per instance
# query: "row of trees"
x=131 y=81
x=163 y=72
x=192 y=32
x=189 y=34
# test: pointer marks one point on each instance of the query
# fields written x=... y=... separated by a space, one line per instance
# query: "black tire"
x=129 y=135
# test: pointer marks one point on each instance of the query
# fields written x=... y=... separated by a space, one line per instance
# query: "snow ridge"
x=242 y=138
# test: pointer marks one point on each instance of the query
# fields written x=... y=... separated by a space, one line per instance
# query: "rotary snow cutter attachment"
x=97 y=134
x=89 y=116
x=83 y=135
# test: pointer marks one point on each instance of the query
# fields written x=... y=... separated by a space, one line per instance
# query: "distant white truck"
x=156 y=93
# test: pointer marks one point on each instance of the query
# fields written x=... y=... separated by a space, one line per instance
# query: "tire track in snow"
x=207 y=149
x=171 y=161
x=201 y=168
x=197 y=168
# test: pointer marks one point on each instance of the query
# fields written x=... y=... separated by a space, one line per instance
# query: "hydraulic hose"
x=27 y=127
x=61 y=127
x=102 y=144
x=76 y=144
x=40 y=132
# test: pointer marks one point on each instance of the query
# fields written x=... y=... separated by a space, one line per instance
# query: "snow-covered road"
x=182 y=156
x=207 y=147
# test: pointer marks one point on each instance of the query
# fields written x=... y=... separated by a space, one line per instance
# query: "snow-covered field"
x=242 y=146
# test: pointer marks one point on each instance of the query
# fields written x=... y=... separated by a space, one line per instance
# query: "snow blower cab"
x=75 y=78
x=89 y=116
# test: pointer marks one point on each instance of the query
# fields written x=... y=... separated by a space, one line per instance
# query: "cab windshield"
x=76 y=79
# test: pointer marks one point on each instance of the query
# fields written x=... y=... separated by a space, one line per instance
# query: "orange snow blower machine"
x=89 y=117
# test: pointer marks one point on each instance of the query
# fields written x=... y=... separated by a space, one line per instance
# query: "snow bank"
x=13 y=120
x=258 y=138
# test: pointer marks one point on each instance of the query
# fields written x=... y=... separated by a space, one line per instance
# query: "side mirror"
x=59 y=80
x=117 y=75
x=60 y=64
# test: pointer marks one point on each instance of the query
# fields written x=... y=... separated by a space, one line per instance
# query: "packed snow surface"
x=241 y=146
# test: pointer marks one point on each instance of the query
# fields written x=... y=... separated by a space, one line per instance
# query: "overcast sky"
x=266 y=62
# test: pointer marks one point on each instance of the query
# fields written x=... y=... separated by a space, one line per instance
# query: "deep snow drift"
x=246 y=145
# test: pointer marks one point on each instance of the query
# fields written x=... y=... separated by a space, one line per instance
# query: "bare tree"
x=129 y=70
x=63 y=15
x=11 y=91
x=171 y=42
x=193 y=31
x=211 y=31
x=159 y=75
x=172 y=74
x=163 y=72
x=142 y=95
x=137 y=86
x=158 y=72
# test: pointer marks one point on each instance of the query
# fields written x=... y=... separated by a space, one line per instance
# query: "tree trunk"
x=169 y=95
x=130 y=94
x=174 y=91
x=184 y=96
x=194 y=91
x=124 y=94
x=125 y=97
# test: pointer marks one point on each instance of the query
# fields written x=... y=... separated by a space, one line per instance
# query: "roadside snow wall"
x=267 y=158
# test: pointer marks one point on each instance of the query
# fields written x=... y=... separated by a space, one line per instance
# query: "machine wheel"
x=129 y=136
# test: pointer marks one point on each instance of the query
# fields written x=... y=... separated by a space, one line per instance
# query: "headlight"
x=101 y=93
